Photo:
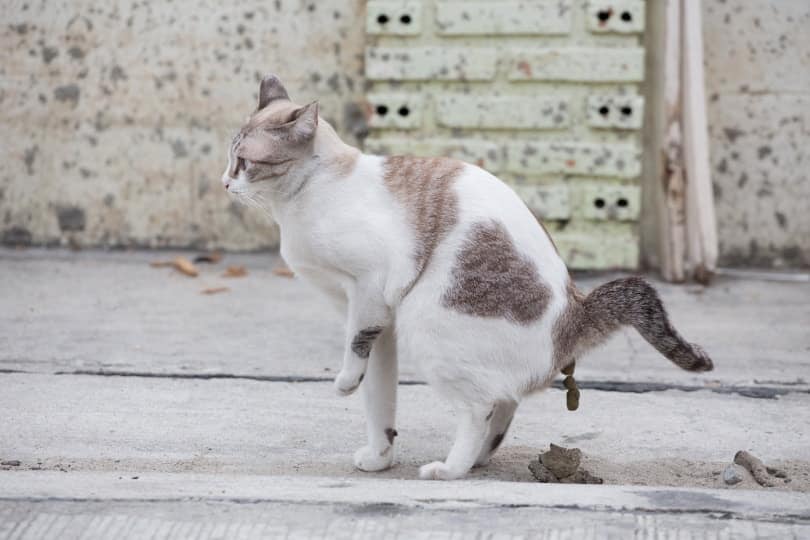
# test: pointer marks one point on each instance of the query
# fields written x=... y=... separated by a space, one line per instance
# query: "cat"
x=434 y=261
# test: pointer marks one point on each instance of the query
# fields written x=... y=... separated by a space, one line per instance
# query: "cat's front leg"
x=380 y=399
x=369 y=316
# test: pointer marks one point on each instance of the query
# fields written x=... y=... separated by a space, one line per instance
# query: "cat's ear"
x=271 y=89
x=305 y=123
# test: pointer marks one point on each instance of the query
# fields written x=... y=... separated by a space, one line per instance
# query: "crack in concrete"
x=756 y=392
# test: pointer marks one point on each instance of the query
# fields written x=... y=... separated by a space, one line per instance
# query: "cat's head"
x=274 y=141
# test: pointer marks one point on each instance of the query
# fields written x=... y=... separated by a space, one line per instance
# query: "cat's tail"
x=628 y=301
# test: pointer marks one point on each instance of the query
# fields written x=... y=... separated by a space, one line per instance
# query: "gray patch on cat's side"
x=492 y=279
x=390 y=433
x=424 y=187
x=361 y=344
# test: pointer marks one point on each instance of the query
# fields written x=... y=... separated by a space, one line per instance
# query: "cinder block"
x=546 y=202
x=592 y=159
x=595 y=251
x=402 y=18
x=601 y=201
x=482 y=153
x=493 y=18
x=615 y=111
x=502 y=112
x=394 y=111
x=428 y=63
x=578 y=64
x=622 y=16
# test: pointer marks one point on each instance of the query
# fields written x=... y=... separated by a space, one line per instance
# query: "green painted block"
x=485 y=154
x=620 y=16
x=431 y=63
x=394 y=111
x=498 y=18
x=397 y=18
x=502 y=112
x=602 y=201
x=615 y=111
x=578 y=64
x=589 y=159
x=546 y=202
x=591 y=250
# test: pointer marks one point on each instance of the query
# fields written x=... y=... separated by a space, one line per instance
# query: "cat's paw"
x=346 y=383
x=371 y=460
x=438 y=470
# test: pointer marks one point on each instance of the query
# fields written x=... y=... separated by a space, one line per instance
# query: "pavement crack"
x=628 y=387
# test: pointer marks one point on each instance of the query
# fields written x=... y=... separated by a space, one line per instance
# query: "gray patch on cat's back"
x=491 y=278
x=424 y=187
x=361 y=344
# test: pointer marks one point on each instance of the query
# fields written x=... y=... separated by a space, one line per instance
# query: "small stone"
x=731 y=475
x=569 y=369
x=542 y=474
x=11 y=463
x=569 y=383
x=561 y=461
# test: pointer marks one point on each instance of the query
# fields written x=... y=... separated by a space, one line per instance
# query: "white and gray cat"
x=435 y=262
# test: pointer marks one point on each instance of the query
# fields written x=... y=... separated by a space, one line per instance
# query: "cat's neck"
x=331 y=158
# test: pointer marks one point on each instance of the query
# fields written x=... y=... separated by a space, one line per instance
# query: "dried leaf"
x=235 y=271
x=185 y=266
x=212 y=257
x=283 y=271
x=161 y=264
x=215 y=290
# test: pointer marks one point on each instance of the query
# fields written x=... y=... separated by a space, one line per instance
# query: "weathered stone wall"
x=545 y=94
x=758 y=79
x=115 y=115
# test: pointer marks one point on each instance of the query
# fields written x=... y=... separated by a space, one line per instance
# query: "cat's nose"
x=227 y=184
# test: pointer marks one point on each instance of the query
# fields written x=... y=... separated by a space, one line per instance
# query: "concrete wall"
x=758 y=79
x=115 y=115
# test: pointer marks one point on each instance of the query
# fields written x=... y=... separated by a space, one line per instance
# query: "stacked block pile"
x=544 y=94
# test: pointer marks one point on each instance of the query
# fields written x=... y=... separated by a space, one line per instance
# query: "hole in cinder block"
x=599 y=202
x=622 y=203
x=382 y=110
x=627 y=16
x=627 y=110
x=404 y=111
x=405 y=19
x=382 y=18
x=604 y=15
x=604 y=110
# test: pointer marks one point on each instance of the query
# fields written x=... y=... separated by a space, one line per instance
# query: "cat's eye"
x=241 y=164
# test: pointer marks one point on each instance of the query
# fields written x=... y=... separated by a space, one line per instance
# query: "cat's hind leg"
x=470 y=437
x=379 y=390
x=499 y=417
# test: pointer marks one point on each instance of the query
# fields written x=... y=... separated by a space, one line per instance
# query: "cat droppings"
x=561 y=465
x=765 y=476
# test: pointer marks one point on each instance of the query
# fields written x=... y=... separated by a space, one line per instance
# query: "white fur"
x=350 y=237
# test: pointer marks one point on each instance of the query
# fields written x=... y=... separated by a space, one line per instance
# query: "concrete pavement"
x=111 y=369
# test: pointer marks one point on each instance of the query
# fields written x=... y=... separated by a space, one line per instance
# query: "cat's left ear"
x=271 y=89
x=305 y=122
